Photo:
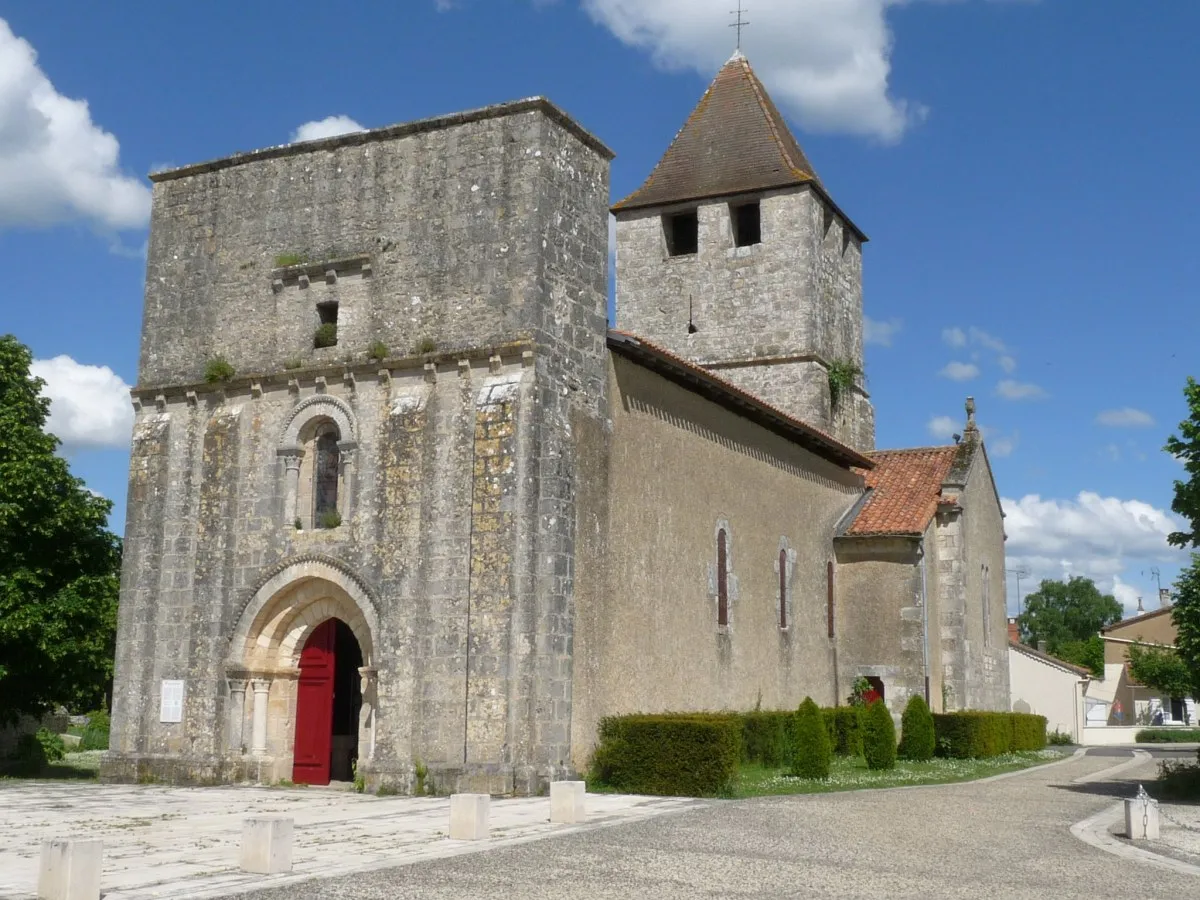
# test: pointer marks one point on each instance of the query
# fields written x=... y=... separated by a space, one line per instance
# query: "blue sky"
x=1024 y=170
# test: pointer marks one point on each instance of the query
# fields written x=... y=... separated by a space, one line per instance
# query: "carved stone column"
x=258 y=739
x=366 y=715
x=237 y=713
x=291 y=481
x=346 y=468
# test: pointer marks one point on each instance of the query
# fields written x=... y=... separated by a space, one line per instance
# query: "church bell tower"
x=733 y=255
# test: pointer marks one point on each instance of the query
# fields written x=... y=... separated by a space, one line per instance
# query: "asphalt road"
x=1003 y=838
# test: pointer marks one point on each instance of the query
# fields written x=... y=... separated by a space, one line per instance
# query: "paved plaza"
x=1006 y=837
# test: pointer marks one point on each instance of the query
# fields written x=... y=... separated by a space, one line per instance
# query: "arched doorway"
x=328 y=702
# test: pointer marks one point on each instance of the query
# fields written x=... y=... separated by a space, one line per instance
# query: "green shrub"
x=767 y=737
x=684 y=755
x=95 y=735
x=917 y=740
x=1028 y=731
x=52 y=744
x=1059 y=738
x=330 y=518
x=1178 y=781
x=1167 y=736
x=879 y=736
x=977 y=735
x=325 y=335
x=377 y=351
x=844 y=724
x=218 y=369
x=811 y=747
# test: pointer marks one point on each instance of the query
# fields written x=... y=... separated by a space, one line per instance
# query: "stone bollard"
x=567 y=802
x=70 y=870
x=1141 y=817
x=266 y=845
x=469 y=816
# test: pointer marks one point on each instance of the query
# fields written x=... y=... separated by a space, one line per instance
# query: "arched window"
x=722 y=578
x=325 y=478
x=783 y=559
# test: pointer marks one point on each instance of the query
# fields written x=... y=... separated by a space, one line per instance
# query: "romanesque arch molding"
x=317 y=407
x=293 y=600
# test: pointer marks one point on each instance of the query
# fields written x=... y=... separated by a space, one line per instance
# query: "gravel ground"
x=1003 y=838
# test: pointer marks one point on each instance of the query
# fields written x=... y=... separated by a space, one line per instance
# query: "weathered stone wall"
x=484 y=234
x=770 y=316
x=880 y=620
x=649 y=641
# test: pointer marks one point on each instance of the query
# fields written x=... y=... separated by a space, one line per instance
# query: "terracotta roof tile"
x=906 y=487
x=734 y=142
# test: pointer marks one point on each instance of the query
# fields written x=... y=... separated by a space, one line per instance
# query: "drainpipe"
x=924 y=620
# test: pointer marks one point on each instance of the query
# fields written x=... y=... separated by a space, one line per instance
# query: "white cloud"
x=330 y=126
x=1008 y=364
x=983 y=339
x=942 y=427
x=826 y=60
x=955 y=337
x=960 y=371
x=1017 y=390
x=56 y=165
x=1093 y=536
x=1003 y=445
x=89 y=405
x=880 y=333
x=1126 y=417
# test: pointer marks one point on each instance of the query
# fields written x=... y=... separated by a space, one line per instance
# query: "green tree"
x=879 y=736
x=917 y=739
x=1089 y=654
x=1063 y=611
x=1186 y=613
x=1161 y=670
x=58 y=561
x=811 y=751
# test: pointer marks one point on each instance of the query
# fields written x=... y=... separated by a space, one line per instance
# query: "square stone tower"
x=733 y=256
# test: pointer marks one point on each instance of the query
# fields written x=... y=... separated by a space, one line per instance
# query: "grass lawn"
x=83 y=766
x=849 y=774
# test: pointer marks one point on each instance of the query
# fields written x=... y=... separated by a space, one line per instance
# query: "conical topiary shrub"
x=879 y=737
x=917 y=741
x=810 y=748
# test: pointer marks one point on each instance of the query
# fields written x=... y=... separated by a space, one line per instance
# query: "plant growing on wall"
x=217 y=370
x=426 y=345
x=843 y=373
x=331 y=518
x=283 y=260
x=325 y=335
x=377 y=351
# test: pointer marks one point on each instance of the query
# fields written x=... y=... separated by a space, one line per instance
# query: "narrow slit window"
x=829 y=595
x=987 y=603
x=722 y=578
x=327 y=323
x=683 y=233
x=747 y=224
x=326 y=474
x=783 y=618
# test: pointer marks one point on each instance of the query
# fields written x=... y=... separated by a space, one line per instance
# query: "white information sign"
x=171 y=705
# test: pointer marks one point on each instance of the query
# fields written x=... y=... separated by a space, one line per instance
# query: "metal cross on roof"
x=739 y=24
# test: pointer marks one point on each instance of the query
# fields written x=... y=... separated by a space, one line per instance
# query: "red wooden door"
x=314 y=707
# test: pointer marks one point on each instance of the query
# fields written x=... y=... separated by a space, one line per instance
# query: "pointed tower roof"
x=735 y=141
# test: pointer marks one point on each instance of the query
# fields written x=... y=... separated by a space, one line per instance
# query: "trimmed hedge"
x=844 y=724
x=977 y=735
x=917 y=740
x=879 y=736
x=688 y=755
x=811 y=746
x=1167 y=736
x=767 y=737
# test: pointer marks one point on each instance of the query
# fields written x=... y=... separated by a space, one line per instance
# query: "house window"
x=722 y=578
x=683 y=233
x=829 y=595
x=747 y=224
x=783 y=560
x=327 y=322
x=325 y=478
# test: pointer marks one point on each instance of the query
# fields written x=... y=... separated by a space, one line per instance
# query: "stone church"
x=401 y=501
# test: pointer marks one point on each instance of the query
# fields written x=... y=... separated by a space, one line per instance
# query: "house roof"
x=729 y=395
x=1048 y=659
x=1133 y=620
x=905 y=489
x=734 y=142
